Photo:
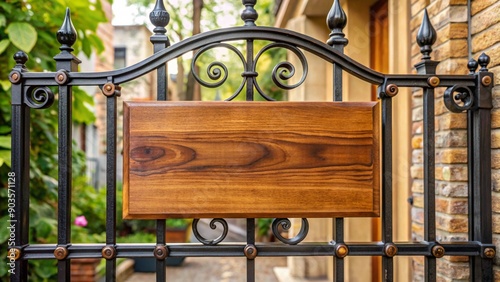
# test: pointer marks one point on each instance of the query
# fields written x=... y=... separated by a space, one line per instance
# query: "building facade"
x=382 y=35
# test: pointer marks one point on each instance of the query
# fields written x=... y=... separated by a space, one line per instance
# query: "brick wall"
x=449 y=18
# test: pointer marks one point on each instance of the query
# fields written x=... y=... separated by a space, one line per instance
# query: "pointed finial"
x=66 y=35
x=21 y=58
x=426 y=37
x=159 y=17
x=483 y=61
x=249 y=15
x=472 y=65
x=336 y=21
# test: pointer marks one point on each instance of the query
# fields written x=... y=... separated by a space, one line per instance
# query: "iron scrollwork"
x=283 y=71
x=217 y=71
x=212 y=225
x=39 y=97
x=286 y=224
x=458 y=98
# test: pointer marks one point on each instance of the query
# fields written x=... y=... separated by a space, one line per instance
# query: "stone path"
x=216 y=270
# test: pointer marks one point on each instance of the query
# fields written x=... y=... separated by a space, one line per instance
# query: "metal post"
x=20 y=166
x=425 y=39
x=336 y=21
x=160 y=18
x=65 y=63
x=480 y=226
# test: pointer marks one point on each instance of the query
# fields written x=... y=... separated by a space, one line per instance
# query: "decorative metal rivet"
x=486 y=81
x=160 y=252
x=250 y=251
x=433 y=81
x=15 y=77
x=391 y=250
x=61 y=253
x=489 y=253
x=341 y=251
x=61 y=77
x=108 y=89
x=438 y=251
x=391 y=90
x=14 y=253
x=108 y=252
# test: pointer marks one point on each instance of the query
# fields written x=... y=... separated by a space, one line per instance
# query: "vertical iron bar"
x=387 y=262
x=161 y=265
x=249 y=70
x=470 y=188
x=429 y=181
x=69 y=63
x=111 y=112
x=160 y=18
x=65 y=176
x=480 y=120
x=336 y=21
x=20 y=167
x=250 y=241
x=481 y=191
x=426 y=37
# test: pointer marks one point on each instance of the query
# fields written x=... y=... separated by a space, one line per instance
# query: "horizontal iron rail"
x=267 y=250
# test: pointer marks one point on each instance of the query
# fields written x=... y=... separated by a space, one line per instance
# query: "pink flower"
x=81 y=221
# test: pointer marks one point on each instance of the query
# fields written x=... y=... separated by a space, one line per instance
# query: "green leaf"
x=5 y=157
x=22 y=35
x=4 y=231
x=6 y=6
x=4 y=43
x=5 y=142
x=3 y=20
x=45 y=226
x=5 y=84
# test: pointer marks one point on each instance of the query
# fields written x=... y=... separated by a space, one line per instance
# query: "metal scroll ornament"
x=39 y=97
x=286 y=224
x=217 y=71
x=282 y=73
x=458 y=98
x=212 y=225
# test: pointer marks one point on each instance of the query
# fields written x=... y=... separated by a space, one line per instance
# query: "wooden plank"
x=251 y=159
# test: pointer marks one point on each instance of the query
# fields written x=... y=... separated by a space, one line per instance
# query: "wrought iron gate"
x=471 y=93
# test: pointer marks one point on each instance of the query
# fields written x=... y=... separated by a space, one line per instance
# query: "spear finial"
x=426 y=37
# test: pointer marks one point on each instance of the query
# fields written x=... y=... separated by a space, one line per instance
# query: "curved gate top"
x=254 y=159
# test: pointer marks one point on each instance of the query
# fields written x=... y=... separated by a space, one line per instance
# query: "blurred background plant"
x=31 y=26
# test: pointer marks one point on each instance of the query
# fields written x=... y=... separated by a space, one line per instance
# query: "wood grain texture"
x=251 y=159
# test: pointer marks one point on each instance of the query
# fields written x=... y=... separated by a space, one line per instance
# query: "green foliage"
x=31 y=25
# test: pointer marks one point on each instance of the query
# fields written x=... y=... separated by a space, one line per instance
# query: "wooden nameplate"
x=251 y=159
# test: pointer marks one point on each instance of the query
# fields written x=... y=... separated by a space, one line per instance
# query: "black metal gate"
x=471 y=93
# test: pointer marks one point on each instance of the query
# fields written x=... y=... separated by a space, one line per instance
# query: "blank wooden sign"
x=250 y=159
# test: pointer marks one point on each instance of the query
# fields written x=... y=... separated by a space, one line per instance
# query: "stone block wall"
x=449 y=18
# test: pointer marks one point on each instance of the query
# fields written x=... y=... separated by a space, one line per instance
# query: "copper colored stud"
x=486 y=81
x=108 y=89
x=433 y=81
x=108 y=252
x=489 y=253
x=14 y=253
x=15 y=77
x=61 y=77
x=61 y=253
x=391 y=90
x=391 y=250
x=250 y=251
x=341 y=251
x=160 y=252
x=438 y=251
